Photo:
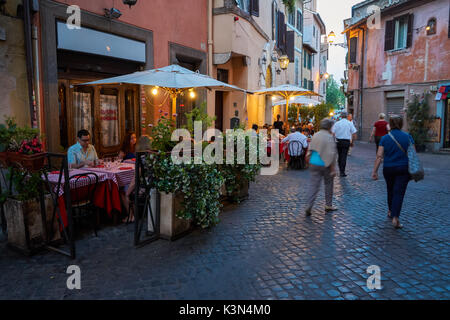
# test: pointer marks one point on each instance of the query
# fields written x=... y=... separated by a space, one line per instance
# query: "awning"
x=442 y=93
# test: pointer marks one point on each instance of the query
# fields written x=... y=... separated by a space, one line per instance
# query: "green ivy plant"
x=199 y=114
x=199 y=183
x=290 y=5
x=237 y=175
x=162 y=133
x=25 y=185
x=418 y=114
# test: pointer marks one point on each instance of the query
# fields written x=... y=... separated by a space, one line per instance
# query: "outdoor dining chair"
x=82 y=198
x=296 y=155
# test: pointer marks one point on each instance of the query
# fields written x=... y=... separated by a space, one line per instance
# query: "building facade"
x=91 y=40
x=249 y=38
x=405 y=54
x=315 y=55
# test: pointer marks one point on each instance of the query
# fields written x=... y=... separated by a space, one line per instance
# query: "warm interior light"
x=284 y=62
x=428 y=28
x=292 y=98
x=331 y=37
x=192 y=93
x=155 y=91
x=273 y=98
x=310 y=105
x=331 y=114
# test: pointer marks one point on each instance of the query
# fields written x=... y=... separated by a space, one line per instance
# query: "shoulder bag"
x=415 y=167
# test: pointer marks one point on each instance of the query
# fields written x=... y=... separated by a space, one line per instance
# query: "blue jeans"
x=397 y=179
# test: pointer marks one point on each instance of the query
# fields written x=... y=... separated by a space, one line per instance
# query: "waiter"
x=345 y=132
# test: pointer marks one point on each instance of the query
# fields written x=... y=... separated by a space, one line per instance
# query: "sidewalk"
x=265 y=248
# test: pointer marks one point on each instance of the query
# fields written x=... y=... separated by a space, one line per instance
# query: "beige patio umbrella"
x=287 y=91
x=173 y=79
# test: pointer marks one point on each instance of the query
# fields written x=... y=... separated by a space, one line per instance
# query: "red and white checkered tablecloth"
x=74 y=183
x=121 y=175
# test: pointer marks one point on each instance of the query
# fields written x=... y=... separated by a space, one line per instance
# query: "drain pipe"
x=361 y=84
x=210 y=38
x=29 y=59
x=37 y=84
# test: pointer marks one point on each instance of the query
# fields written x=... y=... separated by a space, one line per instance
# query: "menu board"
x=434 y=130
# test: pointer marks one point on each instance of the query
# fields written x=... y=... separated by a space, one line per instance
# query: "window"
x=310 y=61
x=304 y=59
x=431 y=26
x=311 y=85
x=130 y=111
x=305 y=83
x=109 y=117
x=399 y=33
x=275 y=21
x=296 y=71
x=291 y=18
x=353 y=49
x=299 y=21
x=249 y=6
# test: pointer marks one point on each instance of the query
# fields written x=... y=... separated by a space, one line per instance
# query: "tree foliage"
x=335 y=96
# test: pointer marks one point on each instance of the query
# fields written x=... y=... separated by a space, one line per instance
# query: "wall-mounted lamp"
x=113 y=13
x=324 y=76
x=284 y=62
x=332 y=37
x=129 y=2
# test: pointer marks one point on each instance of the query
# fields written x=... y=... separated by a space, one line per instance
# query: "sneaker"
x=343 y=175
x=308 y=212
x=329 y=209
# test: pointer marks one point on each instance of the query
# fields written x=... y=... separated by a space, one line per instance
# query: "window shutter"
x=353 y=49
x=305 y=83
x=389 y=36
x=304 y=59
x=280 y=24
x=254 y=8
x=309 y=61
x=290 y=43
x=299 y=21
x=311 y=86
x=410 y=31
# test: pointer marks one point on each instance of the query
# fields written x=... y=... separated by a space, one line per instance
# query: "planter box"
x=31 y=162
x=172 y=227
x=24 y=223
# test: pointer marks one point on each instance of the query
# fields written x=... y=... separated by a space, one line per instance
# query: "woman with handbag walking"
x=395 y=168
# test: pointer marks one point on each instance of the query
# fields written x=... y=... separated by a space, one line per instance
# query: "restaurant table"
x=133 y=161
x=121 y=175
x=104 y=197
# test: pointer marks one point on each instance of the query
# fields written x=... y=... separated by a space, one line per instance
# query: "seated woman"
x=144 y=144
x=128 y=147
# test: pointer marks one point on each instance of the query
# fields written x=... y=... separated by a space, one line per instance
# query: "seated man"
x=82 y=153
x=296 y=135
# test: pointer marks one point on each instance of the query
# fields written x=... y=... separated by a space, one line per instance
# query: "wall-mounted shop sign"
x=100 y=43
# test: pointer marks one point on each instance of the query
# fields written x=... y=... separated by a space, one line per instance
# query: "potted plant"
x=418 y=114
x=20 y=145
x=25 y=228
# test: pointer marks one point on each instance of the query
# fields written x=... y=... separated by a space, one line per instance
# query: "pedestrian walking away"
x=344 y=131
x=380 y=129
x=350 y=118
x=321 y=157
x=395 y=167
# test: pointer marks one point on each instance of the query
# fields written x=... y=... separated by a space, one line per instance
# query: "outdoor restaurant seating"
x=296 y=155
x=82 y=198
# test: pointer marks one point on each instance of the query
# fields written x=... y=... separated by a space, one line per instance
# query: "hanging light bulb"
x=155 y=91
x=192 y=93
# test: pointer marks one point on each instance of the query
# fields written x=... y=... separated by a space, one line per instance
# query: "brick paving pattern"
x=266 y=248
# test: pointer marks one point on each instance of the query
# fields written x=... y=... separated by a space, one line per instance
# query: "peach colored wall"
x=183 y=22
x=427 y=59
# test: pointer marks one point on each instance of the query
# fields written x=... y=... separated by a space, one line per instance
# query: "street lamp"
x=332 y=38
x=284 y=62
x=324 y=75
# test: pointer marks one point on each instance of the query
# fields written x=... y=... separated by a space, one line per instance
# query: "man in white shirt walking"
x=344 y=131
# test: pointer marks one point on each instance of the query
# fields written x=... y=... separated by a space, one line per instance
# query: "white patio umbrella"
x=173 y=79
x=287 y=91
x=298 y=100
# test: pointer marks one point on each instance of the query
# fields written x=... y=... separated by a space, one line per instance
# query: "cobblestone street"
x=266 y=248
